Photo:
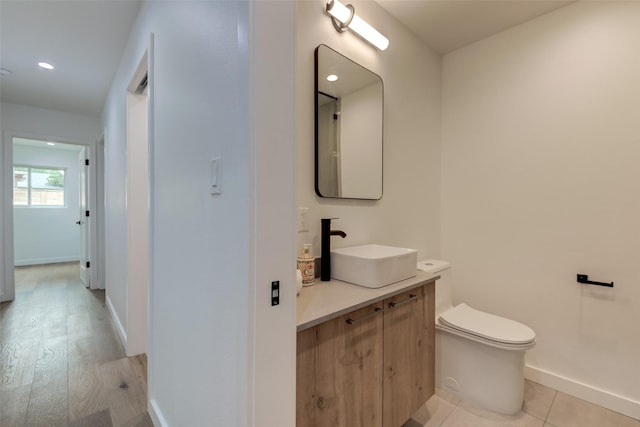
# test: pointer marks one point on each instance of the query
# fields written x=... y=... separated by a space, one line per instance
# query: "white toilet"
x=479 y=356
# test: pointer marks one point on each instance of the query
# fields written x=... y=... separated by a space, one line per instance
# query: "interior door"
x=83 y=221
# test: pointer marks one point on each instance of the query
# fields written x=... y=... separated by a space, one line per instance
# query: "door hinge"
x=88 y=264
x=86 y=213
x=86 y=162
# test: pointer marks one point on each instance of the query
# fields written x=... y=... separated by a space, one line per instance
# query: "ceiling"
x=84 y=40
x=447 y=25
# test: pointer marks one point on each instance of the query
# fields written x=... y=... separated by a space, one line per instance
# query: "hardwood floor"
x=61 y=362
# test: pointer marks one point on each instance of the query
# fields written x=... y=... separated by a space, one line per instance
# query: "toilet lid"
x=488 y=326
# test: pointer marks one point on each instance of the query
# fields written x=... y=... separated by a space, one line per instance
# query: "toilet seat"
x=484 y=327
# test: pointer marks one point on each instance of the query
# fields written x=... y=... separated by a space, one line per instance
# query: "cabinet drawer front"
x=338 y=373
x=408 y=354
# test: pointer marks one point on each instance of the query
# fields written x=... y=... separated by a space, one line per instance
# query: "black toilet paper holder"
x=583 y=278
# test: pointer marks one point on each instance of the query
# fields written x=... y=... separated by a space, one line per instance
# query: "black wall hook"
x=583 y=278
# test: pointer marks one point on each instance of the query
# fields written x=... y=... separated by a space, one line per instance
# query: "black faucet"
x=325 y=248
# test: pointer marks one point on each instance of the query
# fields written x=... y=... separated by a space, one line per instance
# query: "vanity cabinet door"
x=409 y=362
x=339 y=381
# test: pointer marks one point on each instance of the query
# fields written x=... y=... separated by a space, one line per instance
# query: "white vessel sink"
x=373 y=266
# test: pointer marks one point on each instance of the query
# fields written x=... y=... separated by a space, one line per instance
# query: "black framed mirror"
x=348 y=128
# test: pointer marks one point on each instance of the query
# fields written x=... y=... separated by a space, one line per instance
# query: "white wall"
x=541 y=182
x=48 y=234
x=216 y=346
x=34 y=121
x=409 y=212
x=37 y=123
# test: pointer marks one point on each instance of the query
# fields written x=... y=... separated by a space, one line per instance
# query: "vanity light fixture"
x=45 y=65
x=332 y=77
x=344 y=17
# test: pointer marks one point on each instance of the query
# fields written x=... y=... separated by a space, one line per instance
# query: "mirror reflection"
x=349 y=113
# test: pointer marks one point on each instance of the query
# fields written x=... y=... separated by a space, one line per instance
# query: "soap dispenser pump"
x=306 y=265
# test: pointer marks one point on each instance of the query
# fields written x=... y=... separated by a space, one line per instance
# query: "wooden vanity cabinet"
x=369 y=368
x=338 y=371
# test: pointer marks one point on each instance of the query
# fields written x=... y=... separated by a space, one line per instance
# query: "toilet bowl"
x=479 y=356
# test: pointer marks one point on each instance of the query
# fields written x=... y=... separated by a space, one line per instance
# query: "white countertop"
x=327 y=300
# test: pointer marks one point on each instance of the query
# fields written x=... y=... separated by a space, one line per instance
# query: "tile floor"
x=543 y=407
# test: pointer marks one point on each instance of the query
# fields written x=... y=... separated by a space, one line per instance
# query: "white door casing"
x=138 y=211
x=84 y=218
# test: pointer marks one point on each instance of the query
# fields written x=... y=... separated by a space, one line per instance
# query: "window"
x=38 y=186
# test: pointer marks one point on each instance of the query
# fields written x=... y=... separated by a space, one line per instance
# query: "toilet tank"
x=443 y=285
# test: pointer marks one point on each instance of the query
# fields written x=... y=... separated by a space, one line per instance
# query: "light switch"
x=215 y=176
x=302 y=219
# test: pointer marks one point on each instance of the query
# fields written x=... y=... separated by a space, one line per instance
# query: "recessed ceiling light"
x=45 y=65
x=4 y=72
x=51 y=143
x=332 y=77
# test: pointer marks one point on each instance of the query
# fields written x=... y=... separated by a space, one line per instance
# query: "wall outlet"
x=303 y=221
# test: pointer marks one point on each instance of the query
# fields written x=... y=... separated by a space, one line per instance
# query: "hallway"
x=61 y=362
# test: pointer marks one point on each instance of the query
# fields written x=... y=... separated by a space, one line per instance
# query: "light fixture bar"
x=344 y=17
x=368 y=33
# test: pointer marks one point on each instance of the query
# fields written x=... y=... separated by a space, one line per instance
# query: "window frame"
x=30 y=188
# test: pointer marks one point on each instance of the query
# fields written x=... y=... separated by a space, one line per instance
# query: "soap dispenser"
x=306 y=264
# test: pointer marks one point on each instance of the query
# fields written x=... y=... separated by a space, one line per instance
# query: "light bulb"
x=45 y=65
x=368 y=33
x=339 y=11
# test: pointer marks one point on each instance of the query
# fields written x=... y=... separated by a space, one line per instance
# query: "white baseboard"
x=156 y=415
x=38 y=261
x=116 y=321
x=606 y=399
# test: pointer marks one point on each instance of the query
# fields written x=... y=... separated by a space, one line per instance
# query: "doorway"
x=46 y=202
x=42 y=196
x=138 y=209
